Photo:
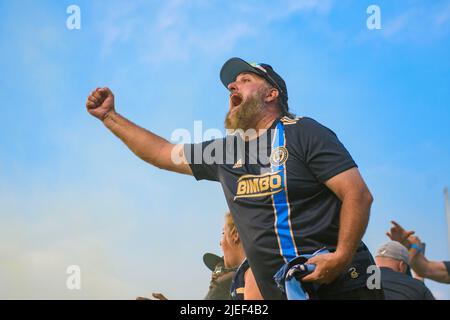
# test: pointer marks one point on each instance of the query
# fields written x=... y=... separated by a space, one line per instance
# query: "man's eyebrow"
x=246 y=74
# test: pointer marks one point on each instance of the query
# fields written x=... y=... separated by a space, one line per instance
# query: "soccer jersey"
x=276 y=192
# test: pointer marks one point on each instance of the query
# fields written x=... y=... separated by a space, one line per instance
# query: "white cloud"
x=397 y=25
x=175 y=29
x=270 y=11
x=418 y=23
x=169 y=14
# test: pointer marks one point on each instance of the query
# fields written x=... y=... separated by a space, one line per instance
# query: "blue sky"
x=72 y=194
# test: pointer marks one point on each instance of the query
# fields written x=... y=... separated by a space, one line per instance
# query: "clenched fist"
x=100 y=102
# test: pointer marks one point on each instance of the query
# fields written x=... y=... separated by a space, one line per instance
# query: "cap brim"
x=232 y=68
x=211 y=260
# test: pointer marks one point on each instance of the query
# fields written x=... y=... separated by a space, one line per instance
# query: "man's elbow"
x=364 y=197
x=368 y=197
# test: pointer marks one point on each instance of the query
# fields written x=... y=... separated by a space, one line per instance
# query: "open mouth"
x=236 y=99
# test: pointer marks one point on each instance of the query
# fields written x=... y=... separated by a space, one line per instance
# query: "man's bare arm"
x=145 y=144
x=434 y=270
x=356 y=199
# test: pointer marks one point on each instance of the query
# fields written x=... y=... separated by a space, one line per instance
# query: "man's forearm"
x=419 y=263
x=143 y=143
x=354 y=217
x=434 y=270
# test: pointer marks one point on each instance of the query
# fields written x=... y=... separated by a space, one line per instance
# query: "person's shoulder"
x=306 y=127
x=388 y=273
x=301 y=122
x=419 y=285
x=417 y=282
x=422 y=287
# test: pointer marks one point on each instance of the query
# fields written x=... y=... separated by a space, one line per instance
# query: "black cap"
x=235 y=66
x=211 y=260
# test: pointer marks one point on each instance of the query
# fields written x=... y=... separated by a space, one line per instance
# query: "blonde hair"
x=230 y=223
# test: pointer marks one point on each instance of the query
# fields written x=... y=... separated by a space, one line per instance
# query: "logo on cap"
x=258 y=66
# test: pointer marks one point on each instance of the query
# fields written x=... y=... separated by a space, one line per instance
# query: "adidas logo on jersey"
x=238 y=164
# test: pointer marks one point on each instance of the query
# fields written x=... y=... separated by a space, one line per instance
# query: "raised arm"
x=434 y=270
x=145 y=144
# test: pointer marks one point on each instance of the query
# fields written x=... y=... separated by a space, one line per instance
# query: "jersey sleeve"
x=323 y=153
x=447 y=266
x=204 y=159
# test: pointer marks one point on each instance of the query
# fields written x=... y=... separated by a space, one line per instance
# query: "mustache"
x=248 y=114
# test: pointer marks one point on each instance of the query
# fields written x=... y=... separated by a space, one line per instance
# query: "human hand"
x=328 y=267
x=397 y=233
x=415 y=240
x=159 y=296
x=100 y=102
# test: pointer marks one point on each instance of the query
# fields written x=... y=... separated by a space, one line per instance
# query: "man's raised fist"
x=100 y=102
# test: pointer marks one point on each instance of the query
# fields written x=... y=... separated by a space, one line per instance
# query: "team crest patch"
x=279 y=156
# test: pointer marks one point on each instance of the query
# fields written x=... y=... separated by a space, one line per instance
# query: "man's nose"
x=232 y=86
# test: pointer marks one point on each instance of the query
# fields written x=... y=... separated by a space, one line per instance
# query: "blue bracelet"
x=417 y=247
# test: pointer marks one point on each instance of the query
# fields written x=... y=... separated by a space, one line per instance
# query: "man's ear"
x=403 y=266
x=272 y=95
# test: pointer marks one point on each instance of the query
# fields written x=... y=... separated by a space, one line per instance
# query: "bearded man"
x=298 y=192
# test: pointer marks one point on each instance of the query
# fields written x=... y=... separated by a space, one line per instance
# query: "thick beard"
x=248 y=115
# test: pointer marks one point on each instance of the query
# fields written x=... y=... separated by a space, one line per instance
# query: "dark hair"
x=282 y=103
x=284 y=110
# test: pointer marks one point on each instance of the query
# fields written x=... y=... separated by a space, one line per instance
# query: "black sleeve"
x=323 y=153
x=204 y=159
x=447 y=266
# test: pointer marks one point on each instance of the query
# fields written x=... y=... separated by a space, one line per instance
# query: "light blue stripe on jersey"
x=281 y=202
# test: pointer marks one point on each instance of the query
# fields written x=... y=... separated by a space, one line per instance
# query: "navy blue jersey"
x=447 y=266
x=238 y=283
x=400 y=286
x=278 y=199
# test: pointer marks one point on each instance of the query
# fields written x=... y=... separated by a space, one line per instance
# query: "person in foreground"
x=299 y=192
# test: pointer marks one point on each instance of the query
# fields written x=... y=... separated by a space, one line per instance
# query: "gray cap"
x=394 y=250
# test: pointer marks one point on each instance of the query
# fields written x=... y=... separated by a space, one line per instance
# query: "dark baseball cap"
x=211 y=260
x=235 y=66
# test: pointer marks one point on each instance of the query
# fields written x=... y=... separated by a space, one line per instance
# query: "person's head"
x=233 y=253
x=221 y=277
x=256 y=91
x=392 y=255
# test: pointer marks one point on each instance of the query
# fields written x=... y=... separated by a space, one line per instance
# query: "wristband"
x=417 y=247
